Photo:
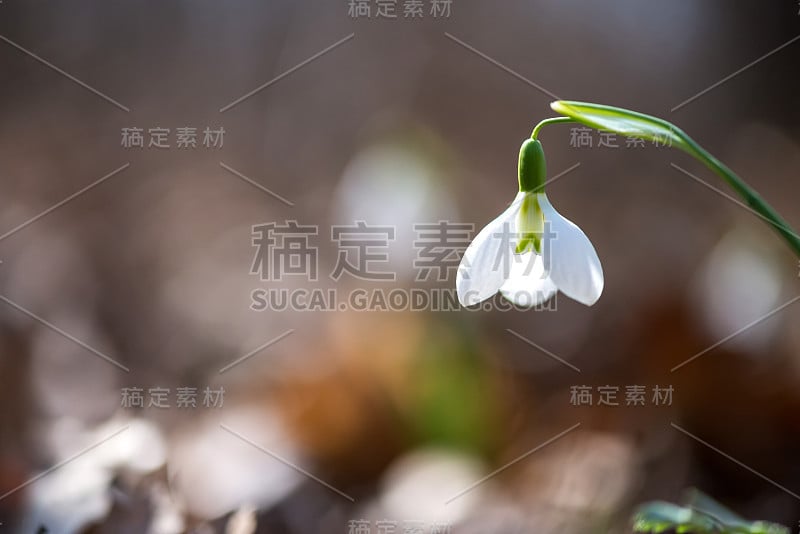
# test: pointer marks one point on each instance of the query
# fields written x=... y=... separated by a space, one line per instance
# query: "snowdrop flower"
x=530 y=251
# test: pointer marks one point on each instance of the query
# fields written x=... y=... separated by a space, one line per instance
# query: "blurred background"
x=141 y=392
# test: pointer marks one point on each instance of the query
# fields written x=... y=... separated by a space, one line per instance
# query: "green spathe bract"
x=622 y=121
x=633 y=124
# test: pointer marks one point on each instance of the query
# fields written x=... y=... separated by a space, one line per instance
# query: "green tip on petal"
x=530 y=225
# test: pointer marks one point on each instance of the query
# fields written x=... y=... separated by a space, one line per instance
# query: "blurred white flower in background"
x=397 y=184
x=77 y=491
x=739 y=283
x=216 y=471
x=422 y=485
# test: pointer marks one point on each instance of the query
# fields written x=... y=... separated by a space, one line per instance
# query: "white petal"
x=570 y=257
x=528 y=284
x=487 y=261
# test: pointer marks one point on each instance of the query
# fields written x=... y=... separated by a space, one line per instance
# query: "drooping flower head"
x=530 y=251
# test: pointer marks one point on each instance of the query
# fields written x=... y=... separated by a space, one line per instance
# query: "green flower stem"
x=633 y=124
x=554 y=120
x=748 y=194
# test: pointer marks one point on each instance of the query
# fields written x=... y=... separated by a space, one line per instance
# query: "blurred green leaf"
x=698 y=500
x=454 y=401
x=659 y=516
x=704 y=515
